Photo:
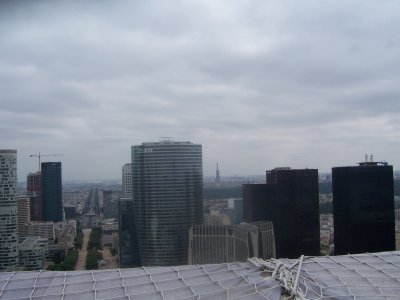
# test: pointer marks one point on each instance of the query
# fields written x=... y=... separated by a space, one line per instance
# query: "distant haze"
x=259 y=84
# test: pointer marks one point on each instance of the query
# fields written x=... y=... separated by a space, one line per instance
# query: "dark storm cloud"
x=259 y=84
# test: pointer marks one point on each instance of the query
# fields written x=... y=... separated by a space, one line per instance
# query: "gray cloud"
x=259 y=84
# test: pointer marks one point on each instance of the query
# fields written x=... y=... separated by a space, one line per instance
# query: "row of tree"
x=68 y=264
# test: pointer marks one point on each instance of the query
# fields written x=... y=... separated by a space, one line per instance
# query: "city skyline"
x=279 y=83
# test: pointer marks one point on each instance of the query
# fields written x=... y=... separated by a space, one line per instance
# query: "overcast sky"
x=260 y=84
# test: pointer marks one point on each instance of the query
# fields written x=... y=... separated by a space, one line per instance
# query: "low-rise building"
x=32 y=252
x=65 y=234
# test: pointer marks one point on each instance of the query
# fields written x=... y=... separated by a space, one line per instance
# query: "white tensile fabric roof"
x=363 y=276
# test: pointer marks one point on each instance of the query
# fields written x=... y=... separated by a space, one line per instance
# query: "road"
x=81 y=262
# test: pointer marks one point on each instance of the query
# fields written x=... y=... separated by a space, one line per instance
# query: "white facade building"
x=8 y=209
x=32 y=252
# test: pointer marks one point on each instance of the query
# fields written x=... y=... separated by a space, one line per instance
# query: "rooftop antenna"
x=166 y=139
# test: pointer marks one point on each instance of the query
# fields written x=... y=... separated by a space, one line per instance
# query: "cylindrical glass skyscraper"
x=8 y=209
x=168 y=199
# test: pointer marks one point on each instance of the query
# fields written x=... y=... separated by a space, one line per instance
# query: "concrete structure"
x=24 y=217
x=290 y=200
x=33 y=252
x=127 y=181
x=210 y=244
x=52 y=205
x=363 y=208
x=43 y=229
x=8 y=210
x=109 y=229
x=65 y=234
x=167 y=193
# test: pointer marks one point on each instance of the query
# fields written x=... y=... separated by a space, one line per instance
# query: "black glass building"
x=128 y=244
x=363 y=208
x=290 y=200
x=168 y=199
x=52 y=206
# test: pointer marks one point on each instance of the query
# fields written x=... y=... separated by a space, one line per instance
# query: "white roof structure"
x=364 y=276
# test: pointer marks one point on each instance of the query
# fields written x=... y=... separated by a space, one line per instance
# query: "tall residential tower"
x=8 y=209
x=167 y=194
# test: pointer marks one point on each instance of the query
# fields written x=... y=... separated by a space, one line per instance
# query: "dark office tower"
x=363 y=208
x=8 y=210
x=33 y=190
x=52 y=206
x=290 y=200
x=128 y=249
x=255 y=202
x=167 y=193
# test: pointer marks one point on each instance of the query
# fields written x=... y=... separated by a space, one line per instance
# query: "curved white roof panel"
x=364 y=276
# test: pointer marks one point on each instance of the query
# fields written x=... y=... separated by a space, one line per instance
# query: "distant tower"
x=52 y=206
x=8 y=209
x=168 y=199
x=33 y=189
x=24 y=216
x=363 y=208
x=127 y=181
x=217 y=176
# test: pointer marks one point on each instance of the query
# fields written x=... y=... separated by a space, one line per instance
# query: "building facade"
x=128 y=247
x=127 y=181
x=24 y=216
x=33 y=189
x=51 y=183
x=8 y=209
x=32 y=253
x=363 y=208
x=168 y=199
x=290 y=200
x=212 y=244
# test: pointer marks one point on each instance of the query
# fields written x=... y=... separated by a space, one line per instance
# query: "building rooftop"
x=31 y=241
x=372 y=276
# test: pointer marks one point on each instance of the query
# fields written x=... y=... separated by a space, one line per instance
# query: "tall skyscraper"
x=33 y=190
x=168 y=199
x=127 y=181
x=290 y=200
x=8 y=209
x=363 y=208
x=52 y=206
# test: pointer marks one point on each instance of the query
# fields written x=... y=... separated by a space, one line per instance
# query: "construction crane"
x=39 y=155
